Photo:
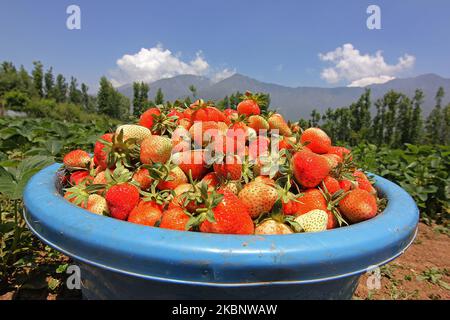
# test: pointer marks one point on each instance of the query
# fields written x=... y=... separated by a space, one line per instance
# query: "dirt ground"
x=423 y=272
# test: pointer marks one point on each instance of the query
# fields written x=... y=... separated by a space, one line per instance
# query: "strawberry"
x=191 y=162
x=316 y=139
x=277 y=122
x=230 y=217
x=121 y=199
x=339 y=151
x=142 y=177
x=313 y=221
x=203 y=132
x=309 y=169
x=80 y=176
x=331 y=184
x=175 y=218
x=181 y=139
x=147 y=118
x=363 y=182
x=229 y=168
x=132 y=131
x=258 y=197
x=248 y=107
x=310 y=200
x=211 y=180
x=333 y=159
x=145 y=213
x=205 y=112
x=175 y=177
x=258 y=123
x=97 y=204
x=100 y=155
x=231 y=114
x=346 y=184
x=271 y=226
x=358 y=205
x=155 y=149
x=286 y=143
x=231 y=186
x=77 y=159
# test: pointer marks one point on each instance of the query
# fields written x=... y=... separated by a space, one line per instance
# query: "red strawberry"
x=174 y=179
x=331 y=184
x=333 y=159
x=346 y=185
x=100 y=156
x=192 y=161
x=363 y=182
x=80 y=176
x=248 y=107
x=310 y=200
x=121 y=199
x=317 y=140
x=147 y=118
x=146 y=213
x=142 y=176
x=77 y=159
x=339 y=151
x=155 y=149
x=358 y=205
x=229 y=168
x=309 y=168
x=211 y=179
x=175 y=219
x=290 y=207
x=204 y=112
x=231 y=217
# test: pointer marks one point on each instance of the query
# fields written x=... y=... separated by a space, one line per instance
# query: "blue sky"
x=273 y=41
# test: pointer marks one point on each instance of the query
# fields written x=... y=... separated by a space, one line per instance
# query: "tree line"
x=396 y=119
x=41 y=93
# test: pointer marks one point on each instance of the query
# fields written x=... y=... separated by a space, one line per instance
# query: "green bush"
x=423 y=171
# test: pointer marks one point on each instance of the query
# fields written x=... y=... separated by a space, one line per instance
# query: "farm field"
x=31 y=270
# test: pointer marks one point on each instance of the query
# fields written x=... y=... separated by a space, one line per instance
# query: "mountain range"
x=294 y=102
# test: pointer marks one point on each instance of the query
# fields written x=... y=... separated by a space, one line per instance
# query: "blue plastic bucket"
x=121 y=260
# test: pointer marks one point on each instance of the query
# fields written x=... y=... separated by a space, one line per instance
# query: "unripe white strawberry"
x=97 y=204
x=134 y=131
x=313 y=221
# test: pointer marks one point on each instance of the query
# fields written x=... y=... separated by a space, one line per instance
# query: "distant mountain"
x=173 y=88
x=295 y=102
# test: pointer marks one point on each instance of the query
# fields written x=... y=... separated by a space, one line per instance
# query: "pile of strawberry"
x=198 y=168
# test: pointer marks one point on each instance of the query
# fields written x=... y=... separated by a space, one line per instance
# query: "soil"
x=423 y=272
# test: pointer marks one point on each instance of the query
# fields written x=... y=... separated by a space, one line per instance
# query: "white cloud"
x=156 y=63
x=361 y=69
